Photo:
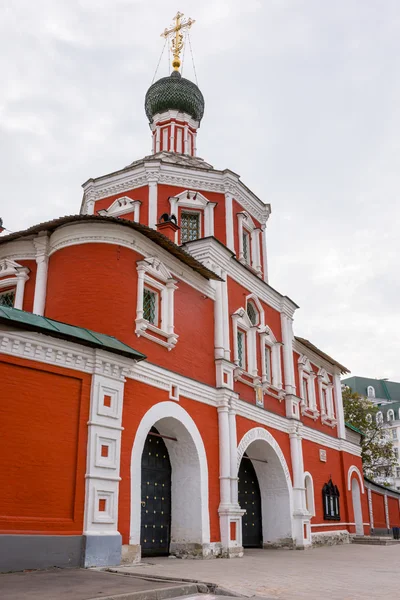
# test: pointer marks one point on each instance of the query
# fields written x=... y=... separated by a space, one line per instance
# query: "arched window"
x=379 y=417
x=390 y=415
x=309 y=488
x=252 y=313
x=371 y=391
x=330 y=500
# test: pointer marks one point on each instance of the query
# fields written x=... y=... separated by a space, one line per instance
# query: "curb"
x=160 y=594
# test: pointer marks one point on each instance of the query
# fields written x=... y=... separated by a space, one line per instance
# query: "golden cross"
x=175 y=32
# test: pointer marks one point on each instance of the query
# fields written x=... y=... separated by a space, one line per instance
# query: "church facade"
x=155 y=397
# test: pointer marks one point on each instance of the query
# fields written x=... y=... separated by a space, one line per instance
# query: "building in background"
x=386 y=396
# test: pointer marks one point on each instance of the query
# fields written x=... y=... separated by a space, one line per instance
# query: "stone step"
x=375 y=541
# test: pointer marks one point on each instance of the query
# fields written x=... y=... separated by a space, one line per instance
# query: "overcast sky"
x=302 y=100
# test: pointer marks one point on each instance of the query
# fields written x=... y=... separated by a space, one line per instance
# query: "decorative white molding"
x=122 y=206
x=354 y=469
x=13 y=275
x=194 y=200
x=69 y=355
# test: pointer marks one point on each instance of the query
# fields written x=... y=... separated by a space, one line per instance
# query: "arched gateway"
x=182 y=468
x=268 y=465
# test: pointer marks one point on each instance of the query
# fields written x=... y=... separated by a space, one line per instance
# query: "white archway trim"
x=309 y=492
x=159 y=411
x=354 y=469
x=258 y=433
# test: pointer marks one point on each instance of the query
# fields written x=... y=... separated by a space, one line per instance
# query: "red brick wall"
x=394 y=512
x=95 y=286
x=140 y=193
x=43 y=416
x=378 y=507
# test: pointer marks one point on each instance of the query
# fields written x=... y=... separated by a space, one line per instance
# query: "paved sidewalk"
x=83 y=584
x=348 y=572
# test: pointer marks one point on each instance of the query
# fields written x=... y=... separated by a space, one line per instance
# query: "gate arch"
x=190 y=522
x=275 y=484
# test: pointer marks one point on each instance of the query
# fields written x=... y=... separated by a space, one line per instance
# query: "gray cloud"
x=302 y=99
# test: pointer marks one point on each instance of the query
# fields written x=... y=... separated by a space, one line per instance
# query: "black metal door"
x=250 y=500
x=156 y=497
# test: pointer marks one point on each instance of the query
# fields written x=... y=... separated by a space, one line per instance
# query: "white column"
x=255 y=250
x=225 y=317
x=300 y=513
x=386 y=512
x=41 y=244
x=171 y=287
x=229 y=222
x=233 y=454
x=186 y=140
x=172 y=138
x=370 y=509
x=337 y=386
x=224 y=452
x=158 y=139
x=287 y=336
x=90 y=207
x=22 y=278
x=140 y=287
x=264 y=252
x=218 y=322
x=153 y=203
x=195 y=143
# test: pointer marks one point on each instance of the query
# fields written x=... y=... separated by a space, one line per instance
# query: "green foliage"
x=376 y=448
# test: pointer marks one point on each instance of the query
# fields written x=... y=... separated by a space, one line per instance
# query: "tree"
x=377 y=452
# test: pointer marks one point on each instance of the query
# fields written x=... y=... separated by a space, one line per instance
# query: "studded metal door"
x=156 y=497
x=250 y=500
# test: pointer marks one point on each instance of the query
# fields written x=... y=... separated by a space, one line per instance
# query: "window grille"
x=7 y=298
x=267 y=364
x=241 y=349
x=330 y=500
x=246 y=246
x=150 y=306
x=252 y=313
x=190 y=226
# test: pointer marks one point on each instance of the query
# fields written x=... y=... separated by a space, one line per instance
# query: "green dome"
x=174 y=93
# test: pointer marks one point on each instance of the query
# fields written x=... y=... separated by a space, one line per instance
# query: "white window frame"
x=390 y=412
x=196 y=201
x=246 y=223
x=240 y=320
x=193 y=212
x=325 y=392
x=122 y=206
x=13 y=277
x=268 y=340
x=240 y=332
x=309 y=493
x=379 y=417
x=152 y=271
x=307 y=376
x=371 y=391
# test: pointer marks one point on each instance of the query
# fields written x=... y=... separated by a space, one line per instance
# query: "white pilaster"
x=300 y=513
x=225 y=316
x=22 y=278
x=229 y=221
x=153 y=192
x=186 y=139
x=287 y=336
x=41 y=244
x=233 y=454
x=264 y=252
x=224 y=451
x=337 y=388
x=172 y=138
x=158 y=139
x=386 y=512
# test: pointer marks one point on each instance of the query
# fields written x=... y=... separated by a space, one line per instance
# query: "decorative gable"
x=122 y=206
x=9 y=268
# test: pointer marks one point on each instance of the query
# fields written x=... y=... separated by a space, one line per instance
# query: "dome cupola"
x=174 y=93
x=174 y=105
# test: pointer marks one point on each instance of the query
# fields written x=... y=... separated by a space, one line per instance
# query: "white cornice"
x=212 y=254
x=112 y=233
x=18 y=250
x=176 y=175
x=62 y=353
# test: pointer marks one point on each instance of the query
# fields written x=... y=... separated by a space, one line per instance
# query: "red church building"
x=155 y=399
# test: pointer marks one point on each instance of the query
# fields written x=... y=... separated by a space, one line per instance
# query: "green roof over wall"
x=384 y=390
x=30 y=322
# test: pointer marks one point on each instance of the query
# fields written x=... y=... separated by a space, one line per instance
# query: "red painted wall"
x=95 y=286
x=378 y=508
x=394 y=512
x=43 y=430
x=139 y=398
